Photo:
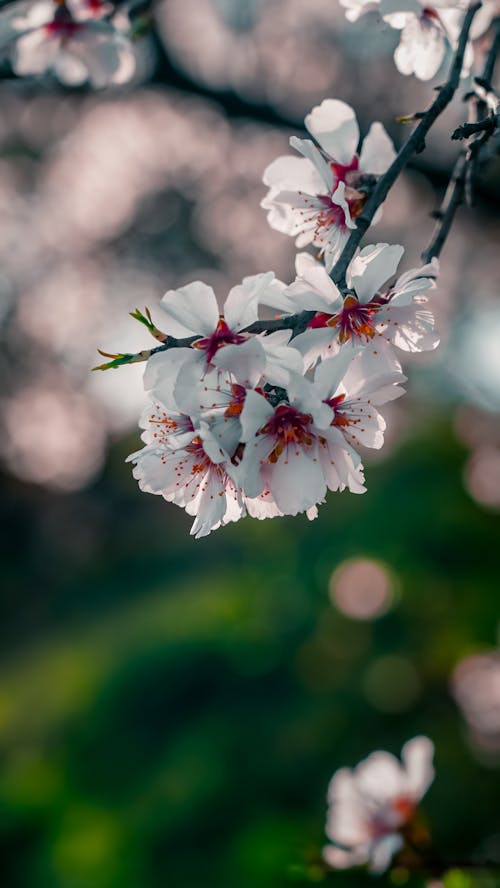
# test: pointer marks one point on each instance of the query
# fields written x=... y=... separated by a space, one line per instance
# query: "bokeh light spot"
x=361 y=588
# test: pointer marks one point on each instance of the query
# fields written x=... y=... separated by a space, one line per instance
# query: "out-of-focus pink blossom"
x=370 y=806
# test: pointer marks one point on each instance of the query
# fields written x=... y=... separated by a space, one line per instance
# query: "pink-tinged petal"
x=377 y=152
x=312 y=513
x=374 y=265
x=256 y=412
x=417 y=756
x=288 y=173
x=242 y=304
x=190 y=310
x=334 y=126
x=310 y=151
x=383 y=851
x=421 y=50
x=296 y=481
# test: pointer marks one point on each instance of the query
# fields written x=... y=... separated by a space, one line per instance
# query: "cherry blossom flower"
x=186 y=466
x=370 y=806
x=376 y=317
x=192 y=311
x=354 y=384
x=298 y=449
x=426 y=33
x=317 y=198
x=77 y=47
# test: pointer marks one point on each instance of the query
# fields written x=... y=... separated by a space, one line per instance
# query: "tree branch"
x=414 y=145
x=297 y=323
x=486 y=125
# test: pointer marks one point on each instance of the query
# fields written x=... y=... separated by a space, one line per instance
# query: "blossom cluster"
x=78 y=41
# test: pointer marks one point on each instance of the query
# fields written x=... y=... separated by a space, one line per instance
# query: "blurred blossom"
x=53 y=436
x=245 y=59
x=370 y=806
x=362 y=588
x=475 y=685
x=392 y=684
x=482 y=476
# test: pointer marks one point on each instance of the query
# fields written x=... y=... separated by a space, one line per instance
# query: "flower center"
x=236 y=406
x=339 y=419
x=221 y=336
x=355 y=320
x=288 y=426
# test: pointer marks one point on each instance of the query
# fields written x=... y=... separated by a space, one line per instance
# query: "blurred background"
x=171 y=711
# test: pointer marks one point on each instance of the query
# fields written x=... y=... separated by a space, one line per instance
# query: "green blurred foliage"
x=171 y=711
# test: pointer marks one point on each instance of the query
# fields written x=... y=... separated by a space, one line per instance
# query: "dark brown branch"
x=463 y=178
x=453 y=198
x=297 y=323
x=486 y=125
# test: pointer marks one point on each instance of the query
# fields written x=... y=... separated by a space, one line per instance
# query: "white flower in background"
x=317 y=198
x=76 y=49
x=427 y=31
x=378 y=318
x=370 y=805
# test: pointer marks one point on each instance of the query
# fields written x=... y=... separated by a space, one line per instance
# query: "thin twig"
x=465 y=170
x=486 y=125
x=453 y=198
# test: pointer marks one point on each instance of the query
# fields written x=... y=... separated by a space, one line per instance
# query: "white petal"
x=383 y=851
x=190 y=310
x=421 y=50
x=288 y=173
x=374 y=265
x=296 y=482
x=417 y=756
x=241 y=307
x=338 y=197
x=309 y=150
x=334 y=126
x=377 y=152
x=314 y=273
x=247 y=361
x=256 y=412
